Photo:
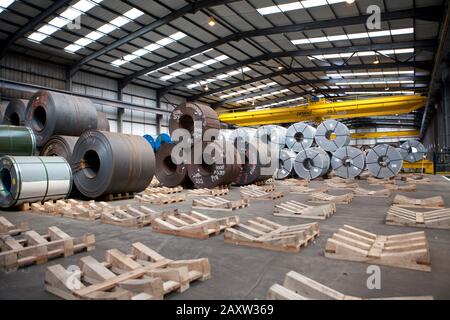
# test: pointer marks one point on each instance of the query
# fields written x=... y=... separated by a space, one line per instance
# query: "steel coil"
x=209 y=169
x=15 y=112
x=300 y=136
x=51 y=113
x=17 y=141
x=167 y=172
x=102 y=121
x=255 y=165
x=163 y=138
x=3 y=106
x=33 y=179
x=196 y=118
x=243 y=135
x=59 y=146
x=348 y=162
x=273 y=135
x=286 y=164
x=384 y=161
x=332 y=135
x=225 y=135
x=413 y=151
x=312 y=163
x=108 y=163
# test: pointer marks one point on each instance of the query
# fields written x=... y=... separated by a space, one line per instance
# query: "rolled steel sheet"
x=312 y=163
x=107 y=163
x=196 y=118
x=413 y=151
x=59 y=146
x=33 y=179
x=3 y=106
x=286 y=164
x=300 y=136
x=242 y=136
x=167 y=172
x=150 y=140
x=163 y=138
x=102 y=121
x=51 y=113
x=220 y=169
x=255 y=164
x=15 y=112
x=332 y=135
x=273 y=135
x=17 y=141
x=384 y=161
x=348 y=162
x=225 y=135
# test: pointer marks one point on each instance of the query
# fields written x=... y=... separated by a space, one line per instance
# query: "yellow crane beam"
x=385 y=135
x=327 y=110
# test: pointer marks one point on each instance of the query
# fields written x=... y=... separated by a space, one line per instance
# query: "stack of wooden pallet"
x=265 y=234
x=163 y=190
x=402 y=188
x=160 y=198
x=295 y=209
x=361 y=192
x=74 y=209
x=214 y=192
x=219 y=204
x=141 y=275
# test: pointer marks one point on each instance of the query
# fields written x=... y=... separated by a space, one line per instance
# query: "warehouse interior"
x=351 y=97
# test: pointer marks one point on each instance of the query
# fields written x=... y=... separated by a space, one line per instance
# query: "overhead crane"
x=321 y=110
x=385 y=135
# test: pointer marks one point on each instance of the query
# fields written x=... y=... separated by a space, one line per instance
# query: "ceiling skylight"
x=5 y=4
x=284 y=102
x=352 y=36
x=361 y=54
x=379 y=92
x=261 y=86
x=357 y=83
x=66 y=17
x=218 y=78
x=262 y=96
x=296 y=5
x=194 y=67
x=372 y=73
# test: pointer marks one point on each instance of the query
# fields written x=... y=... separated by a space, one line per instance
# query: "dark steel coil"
x=253 y=172
x=107 y=163
x=17 y=141
x=59 y=146
x=167 y=172
x=194 y=118
x=51 y=113
x=102 y=121
x=15 y=112
x=219 y=171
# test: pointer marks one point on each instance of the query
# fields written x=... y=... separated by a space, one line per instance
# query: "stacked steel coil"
x=109 y=163
x=348 y=162
x=286 y=164
x=300 y=136
x=102 y=121
x=312 y=163
x=60 y=146
x=17 y=141
x=332 y=135
x=15 y=112
x=412 y=151
x=384 y=161
x=33 y=179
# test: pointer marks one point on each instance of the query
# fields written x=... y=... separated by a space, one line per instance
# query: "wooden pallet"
x=74 y=209
x=294 y=182
x=342 y=180
x=219 y=204
x=160 y=198
x=264 y=182
x=409 y=251
x=299 y=287
x=265 y=234
x=7 y=228
x=325 y=197
x=154 y=183
x=255 y=194
x=265 y=187
x=163 y=190
x=435 y=219
x=294 y=209
x=361 y=192
x=416 y=178
x=35 y=248
x=376 y=181
x=131 y=217
x=404 y=188
x=141 y=275
x=192 y=224
x=433 y=202
x=215 y=192
x=340 y=185
x=306 y=190
x=118 y=196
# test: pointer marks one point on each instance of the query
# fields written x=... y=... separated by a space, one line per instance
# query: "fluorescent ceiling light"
x=284 y=102
x=352 y=36
x=374 y=82
x=66 y=17
x=104 y=30
x=236 y=93
x=195 y=67
x=379 y=92
x=361 y=54
x=263 y=96
x=296 y=5
x=151 y=47
x=372 y=73
x=179 y=61
x=218 y=78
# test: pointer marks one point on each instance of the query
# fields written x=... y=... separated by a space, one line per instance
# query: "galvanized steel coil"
x=33 y=179
x=168 y=173
x=225 y=135
x=272 y=135
x=286 y=164
x=348 y=162
x=51 y=113
x=108 y=163
x=17 y=141
x=384 y=161
x=413 y=151
x=300 y=136
x=59 y=146
x=332 y=135
x=15 y=112
x=312 y=163
x=242 y=136
x=102 y=121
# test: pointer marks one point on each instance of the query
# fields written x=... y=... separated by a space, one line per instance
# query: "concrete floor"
x=247 y=273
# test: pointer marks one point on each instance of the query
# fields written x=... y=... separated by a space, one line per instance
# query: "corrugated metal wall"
x=28 y=70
